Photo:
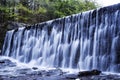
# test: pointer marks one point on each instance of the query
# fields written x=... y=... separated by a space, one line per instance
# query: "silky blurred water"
x=88 y=40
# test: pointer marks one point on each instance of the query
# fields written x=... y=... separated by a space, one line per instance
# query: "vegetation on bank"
x=36 y=11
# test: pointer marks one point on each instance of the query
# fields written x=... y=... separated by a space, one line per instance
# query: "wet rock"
x=37 y=75
x=34 y=68
x=6 y=63
x=54 y=72
x=89 y=73
x=71 y=76
x=1 y=62
x=23 y=71
x=33 y=73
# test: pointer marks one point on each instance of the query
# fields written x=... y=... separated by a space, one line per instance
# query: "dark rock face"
x=4 y=27
x=15 y=25
x=0 y=51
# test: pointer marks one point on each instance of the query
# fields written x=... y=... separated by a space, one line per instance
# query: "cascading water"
x=90 y=40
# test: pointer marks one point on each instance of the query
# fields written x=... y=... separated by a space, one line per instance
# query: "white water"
x=89 y=40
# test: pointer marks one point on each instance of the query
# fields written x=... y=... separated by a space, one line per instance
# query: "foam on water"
x=90 y=40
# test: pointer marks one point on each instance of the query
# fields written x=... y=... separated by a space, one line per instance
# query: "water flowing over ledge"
x=88 y=40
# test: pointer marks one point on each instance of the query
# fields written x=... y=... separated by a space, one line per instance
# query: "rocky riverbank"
x=10 y=71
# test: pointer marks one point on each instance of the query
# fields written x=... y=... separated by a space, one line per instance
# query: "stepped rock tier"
x=88 y=40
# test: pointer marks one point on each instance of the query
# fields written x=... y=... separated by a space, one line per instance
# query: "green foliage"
x=41 y=10
x=28 y=11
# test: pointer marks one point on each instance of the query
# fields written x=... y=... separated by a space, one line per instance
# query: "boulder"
x=89 y=73
x=15 y=25
x=34 y=68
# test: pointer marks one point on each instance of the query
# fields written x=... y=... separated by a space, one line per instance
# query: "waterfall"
x=90 y=40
